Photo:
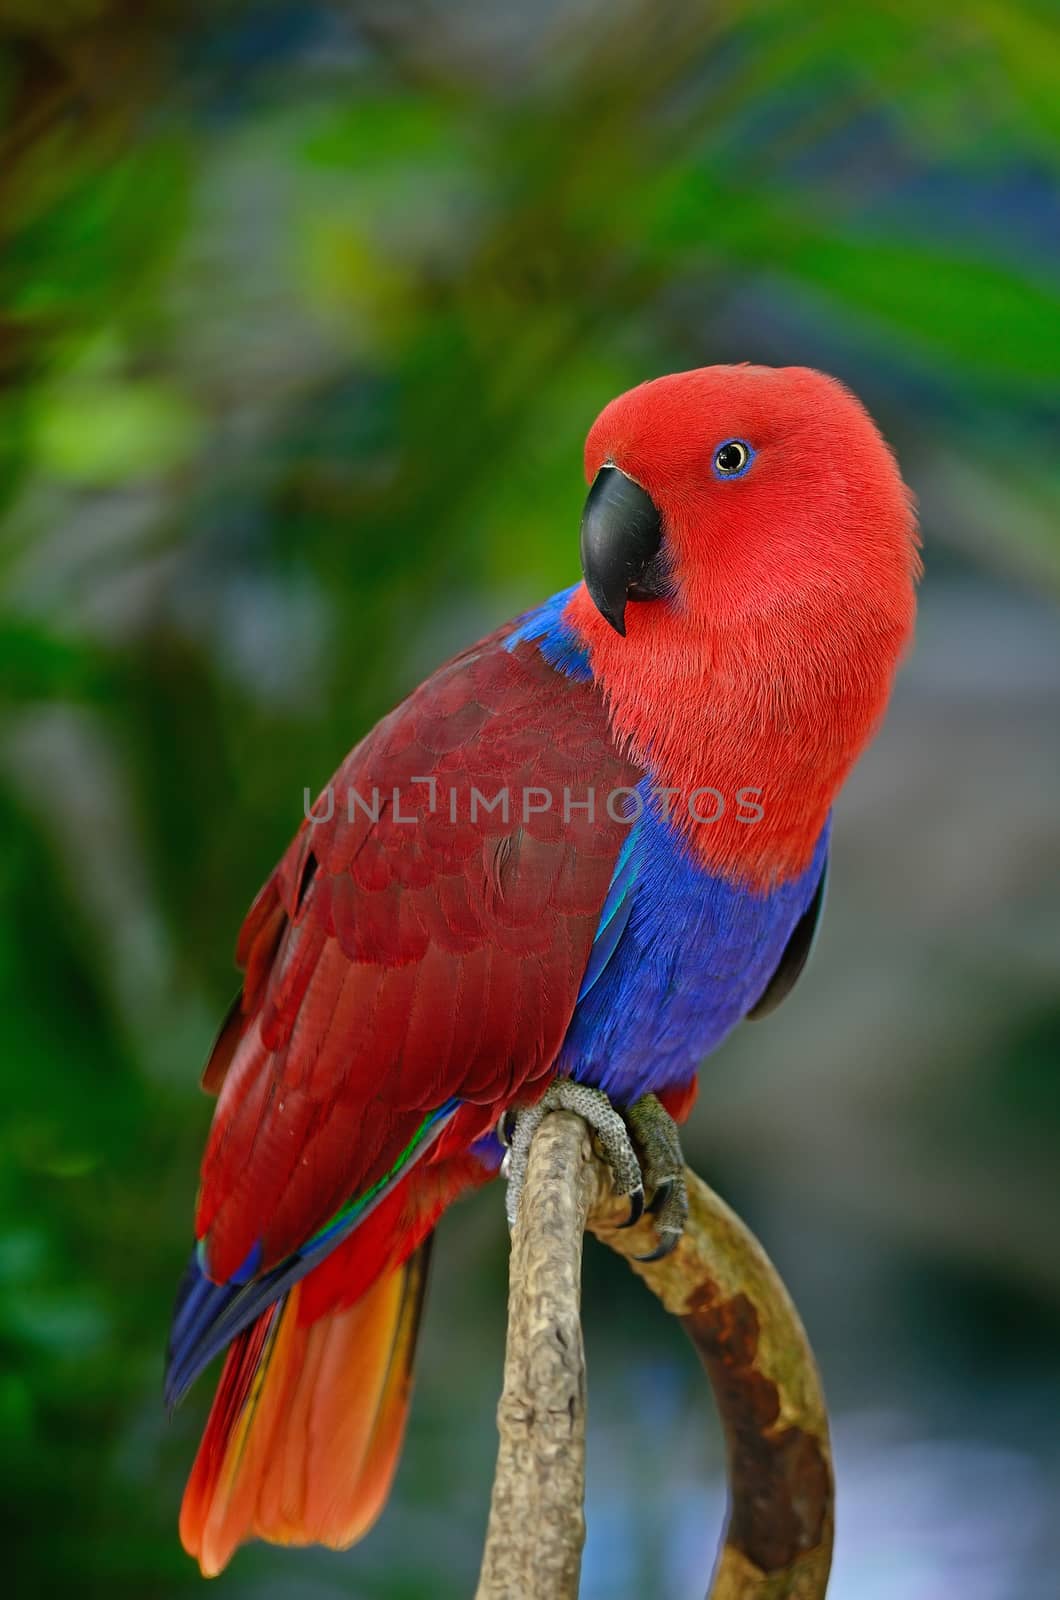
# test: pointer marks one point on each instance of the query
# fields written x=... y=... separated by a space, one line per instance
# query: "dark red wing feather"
x=391 y=964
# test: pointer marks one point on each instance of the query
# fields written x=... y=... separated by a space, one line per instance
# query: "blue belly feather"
x=694 y=953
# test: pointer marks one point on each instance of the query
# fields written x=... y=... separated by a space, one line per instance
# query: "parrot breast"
x=693 y=952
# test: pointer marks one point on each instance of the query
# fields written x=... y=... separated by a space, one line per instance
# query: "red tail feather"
x=306 y=1426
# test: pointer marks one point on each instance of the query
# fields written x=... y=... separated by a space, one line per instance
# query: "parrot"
x=557 y=875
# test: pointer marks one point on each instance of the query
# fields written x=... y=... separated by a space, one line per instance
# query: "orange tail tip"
x=306 y=1426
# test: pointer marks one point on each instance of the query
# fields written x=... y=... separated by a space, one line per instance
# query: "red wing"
x=394 y=963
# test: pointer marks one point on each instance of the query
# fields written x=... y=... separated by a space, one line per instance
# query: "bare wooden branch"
x=777 y=1543
x=537 y=1519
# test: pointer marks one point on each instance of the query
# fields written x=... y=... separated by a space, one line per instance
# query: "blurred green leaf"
x=377 y=131
x=37 y=663
x=113 y=432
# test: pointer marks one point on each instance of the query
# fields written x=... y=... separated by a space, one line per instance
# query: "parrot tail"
x=306 y=1425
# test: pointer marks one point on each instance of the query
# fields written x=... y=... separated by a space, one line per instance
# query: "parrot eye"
x=732 y=459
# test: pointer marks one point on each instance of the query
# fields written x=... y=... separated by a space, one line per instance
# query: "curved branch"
x=748 y=1335
x=777 y=1543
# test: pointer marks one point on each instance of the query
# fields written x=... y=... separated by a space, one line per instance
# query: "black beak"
x=621 y=546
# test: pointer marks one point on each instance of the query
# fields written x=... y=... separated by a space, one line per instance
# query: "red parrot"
x=559 y=873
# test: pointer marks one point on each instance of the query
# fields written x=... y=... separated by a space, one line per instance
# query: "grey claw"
x=669 y=1239
x=636 y=1207
x=611 y=1138
x=663 y=1170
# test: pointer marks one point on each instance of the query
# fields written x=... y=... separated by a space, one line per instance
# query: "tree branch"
x=537 y=1521
x=777 y=1543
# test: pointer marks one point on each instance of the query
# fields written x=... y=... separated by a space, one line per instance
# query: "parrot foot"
x=610 y=1132
x=663 y=1167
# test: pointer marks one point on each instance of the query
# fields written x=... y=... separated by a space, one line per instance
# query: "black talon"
x=669 y=1239
x=636 y=1207
x=662 y=1193
x=505 y=1129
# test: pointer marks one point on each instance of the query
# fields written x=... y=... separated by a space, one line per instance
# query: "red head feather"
x=769 y=665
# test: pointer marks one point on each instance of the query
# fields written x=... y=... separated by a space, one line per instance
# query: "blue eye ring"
x=732 y=459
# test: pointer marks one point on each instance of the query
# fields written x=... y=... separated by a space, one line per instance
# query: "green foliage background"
x=304 y=312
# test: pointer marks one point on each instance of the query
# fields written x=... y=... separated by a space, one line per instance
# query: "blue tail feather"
x=209 y=1315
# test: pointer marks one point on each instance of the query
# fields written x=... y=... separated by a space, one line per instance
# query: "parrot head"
x=738 y=490
x=750 y=554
